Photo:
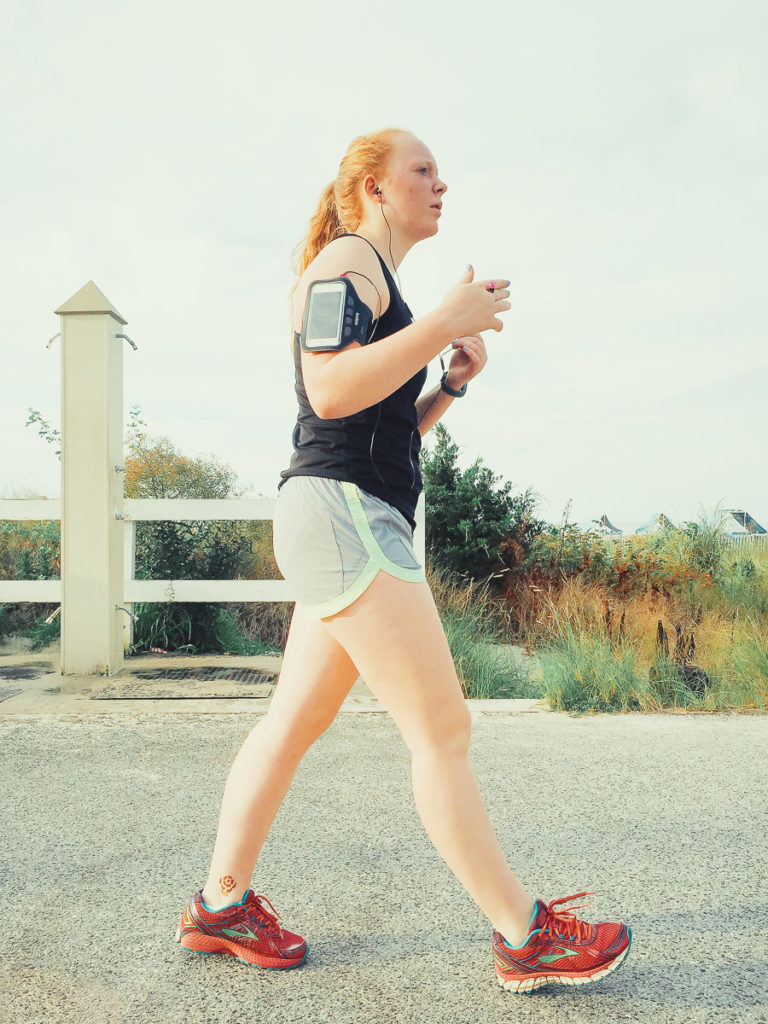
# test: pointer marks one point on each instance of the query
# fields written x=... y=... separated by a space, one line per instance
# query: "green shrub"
x=667 y=685
x=740 y=668
x=473 y=527
x=195 y=550
x=193 y=627
x=485 y=669
x=42 y=633
x=584 y=672
x=230 y=640
x=742 y=588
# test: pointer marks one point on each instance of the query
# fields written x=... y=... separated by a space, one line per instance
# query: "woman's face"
x=412 y=189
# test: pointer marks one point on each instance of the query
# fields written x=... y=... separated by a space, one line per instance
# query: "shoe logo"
x=549 y=958
x=240 y=933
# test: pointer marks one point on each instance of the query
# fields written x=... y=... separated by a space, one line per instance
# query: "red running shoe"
x=559 y=948
x=246 y=930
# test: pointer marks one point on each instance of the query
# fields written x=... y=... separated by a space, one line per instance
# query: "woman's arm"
x=431 y=406
x=343 y=383
x=359 y=377
x=468 y=359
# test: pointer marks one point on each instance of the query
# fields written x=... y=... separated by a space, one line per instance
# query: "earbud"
x=378 y=191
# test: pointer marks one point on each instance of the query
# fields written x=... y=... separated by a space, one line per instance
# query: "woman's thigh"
x=394 y=636
x=315 y=677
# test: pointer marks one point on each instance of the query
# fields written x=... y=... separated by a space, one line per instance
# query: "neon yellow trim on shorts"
x=353 y=591
x=363 y=527
x=377 y=560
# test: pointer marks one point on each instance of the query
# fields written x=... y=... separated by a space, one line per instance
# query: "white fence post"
x=91 y=484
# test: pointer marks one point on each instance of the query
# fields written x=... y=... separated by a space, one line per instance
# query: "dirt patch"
x=207 y=681
x=32 y=670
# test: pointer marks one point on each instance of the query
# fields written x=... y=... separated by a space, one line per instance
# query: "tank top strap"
x=387 y=272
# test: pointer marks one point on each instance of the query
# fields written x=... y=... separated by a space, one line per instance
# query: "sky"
x=607 y=158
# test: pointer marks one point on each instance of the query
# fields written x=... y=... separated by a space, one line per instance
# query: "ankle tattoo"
x=227 y=884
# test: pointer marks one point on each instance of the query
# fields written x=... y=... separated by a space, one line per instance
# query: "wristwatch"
x=450 y=391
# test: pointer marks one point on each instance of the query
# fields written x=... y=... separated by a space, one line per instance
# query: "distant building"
x=656 y=524
x=741 y=524
x=602 y=526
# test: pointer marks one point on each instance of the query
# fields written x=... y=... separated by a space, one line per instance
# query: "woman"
x=343 y=531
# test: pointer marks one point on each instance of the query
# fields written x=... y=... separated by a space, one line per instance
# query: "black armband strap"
x=334 y=316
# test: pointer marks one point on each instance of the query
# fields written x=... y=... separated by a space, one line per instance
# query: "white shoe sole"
x=531 y=984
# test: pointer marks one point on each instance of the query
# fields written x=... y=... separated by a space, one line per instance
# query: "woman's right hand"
x=469 y=307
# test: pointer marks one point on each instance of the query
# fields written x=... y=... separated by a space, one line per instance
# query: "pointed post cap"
x=90 y=299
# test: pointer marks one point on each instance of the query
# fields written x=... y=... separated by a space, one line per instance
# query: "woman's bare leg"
x=315 y=677
x=394 y=635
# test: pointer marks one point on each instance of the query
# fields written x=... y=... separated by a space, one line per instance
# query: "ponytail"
x=340 y=208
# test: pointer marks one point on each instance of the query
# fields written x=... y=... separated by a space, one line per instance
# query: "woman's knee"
x=447 y=732
x=292 y=737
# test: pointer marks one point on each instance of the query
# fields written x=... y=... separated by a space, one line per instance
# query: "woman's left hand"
x=468 y=359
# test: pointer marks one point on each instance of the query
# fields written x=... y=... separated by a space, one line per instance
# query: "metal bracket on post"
x=133 y=344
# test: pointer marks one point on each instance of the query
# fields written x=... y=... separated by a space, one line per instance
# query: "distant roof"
x=745 y=521
x=655 y=523
x=601 y=524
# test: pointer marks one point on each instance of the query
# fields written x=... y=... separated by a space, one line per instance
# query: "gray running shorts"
x=331 y=537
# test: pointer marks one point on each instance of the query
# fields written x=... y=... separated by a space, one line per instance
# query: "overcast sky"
x=608 y=157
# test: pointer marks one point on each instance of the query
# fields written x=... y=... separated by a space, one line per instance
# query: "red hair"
x=340 y=207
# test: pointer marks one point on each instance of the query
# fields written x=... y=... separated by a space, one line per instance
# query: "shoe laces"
x=270 y=920
x=562 y=924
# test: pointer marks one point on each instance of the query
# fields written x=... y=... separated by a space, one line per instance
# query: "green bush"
x=230 y=640
x=584 y=671
x=155 y=468
x=42 y=633
x=563 y=551
x=474 y=527
x=194 y=550
x=29 y=550
x=485 y=667
x=740 y=668
x=194 y=628
x=667 y=684
x=741 y=588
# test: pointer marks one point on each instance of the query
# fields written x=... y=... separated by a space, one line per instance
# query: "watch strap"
x=450 y=391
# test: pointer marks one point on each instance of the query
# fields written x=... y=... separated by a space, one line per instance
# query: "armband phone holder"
x=334 y=316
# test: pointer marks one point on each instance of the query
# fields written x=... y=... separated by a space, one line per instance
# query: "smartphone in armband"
x=334 y=316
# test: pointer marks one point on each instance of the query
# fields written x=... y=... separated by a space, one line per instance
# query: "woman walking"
x=343 y=532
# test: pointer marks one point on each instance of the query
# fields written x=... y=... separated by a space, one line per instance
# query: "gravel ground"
x=109 y=822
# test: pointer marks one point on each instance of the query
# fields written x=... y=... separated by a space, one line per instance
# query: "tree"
x=474 y=527
x=199 y=549
x=207 y=549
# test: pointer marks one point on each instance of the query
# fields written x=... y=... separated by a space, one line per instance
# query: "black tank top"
x=376 y=448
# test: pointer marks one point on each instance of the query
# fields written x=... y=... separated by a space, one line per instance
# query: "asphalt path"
x=109 y=820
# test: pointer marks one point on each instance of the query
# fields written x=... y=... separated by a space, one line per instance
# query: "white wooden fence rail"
x=161 y=510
